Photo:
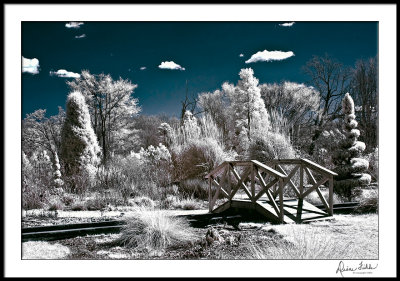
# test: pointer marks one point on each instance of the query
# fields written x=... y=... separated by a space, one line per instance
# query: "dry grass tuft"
x=154 y=230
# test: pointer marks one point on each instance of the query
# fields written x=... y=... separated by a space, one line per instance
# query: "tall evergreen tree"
x=349 y=166
x=79 y=147
x=247 y=109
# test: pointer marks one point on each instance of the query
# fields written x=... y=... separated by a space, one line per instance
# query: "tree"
x=247 y=110
x=363 y=87
x=350 y=167
x=295 y=104
x=40 y=132
x=111 y=106
x=215 y=104
x=331 y=79
x=79 y=147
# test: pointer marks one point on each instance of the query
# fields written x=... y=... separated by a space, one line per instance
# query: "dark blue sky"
x=209 y=52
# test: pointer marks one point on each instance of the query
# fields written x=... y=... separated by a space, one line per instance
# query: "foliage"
x=369 y=202
x=292 y=102
x=265 y=147
x=193 y=188
x=349 y=166
x=79 y=148
x=373 y=159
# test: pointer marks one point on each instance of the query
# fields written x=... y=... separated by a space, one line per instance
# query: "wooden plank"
x=253 y=187
x=216 y=170
x=301 y=180
x=317 y=167
x=285 y=161
x=242 y=183
x=331 y=195
x=281 y=214
x=228 y=177
x=223 y=207
x=310 y=176
x=268 y=169
x=288 y=179
x=320 y=182
x=322 y=199
x=244 y=177
x=210 y=206
x=220 y=186
x=265 y=188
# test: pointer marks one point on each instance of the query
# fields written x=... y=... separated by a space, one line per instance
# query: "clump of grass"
x=305 y=243
x=154 y=230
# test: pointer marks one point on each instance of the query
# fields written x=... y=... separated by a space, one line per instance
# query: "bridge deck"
x=293 y=213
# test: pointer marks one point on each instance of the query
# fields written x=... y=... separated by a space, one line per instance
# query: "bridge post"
x=228 y=178
x=253 y=190
x=331 y=195
x=281 y=212
x=209 y=195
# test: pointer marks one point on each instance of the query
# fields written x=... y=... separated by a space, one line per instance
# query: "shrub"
x=368 y=203
x=373 y=164
x=198 y=157
x=154 y=231
x=98 y=203
x=55 y=204
x=78 y=206
x=144 y=201
x=194 y=188
x=270 y=145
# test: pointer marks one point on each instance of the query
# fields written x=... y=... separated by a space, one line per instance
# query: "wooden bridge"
x=277 y=189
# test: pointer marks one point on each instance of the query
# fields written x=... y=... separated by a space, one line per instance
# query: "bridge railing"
x=271 y=179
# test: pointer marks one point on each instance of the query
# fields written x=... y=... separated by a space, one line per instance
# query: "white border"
x=14 y=14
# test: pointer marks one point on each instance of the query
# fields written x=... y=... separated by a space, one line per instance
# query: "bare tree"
x=111 y=106
x=331 y=79
x=364 y=90
x=40 y=132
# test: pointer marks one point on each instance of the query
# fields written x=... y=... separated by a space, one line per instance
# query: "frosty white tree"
x=79 y=147
x=350 y=167
x=111 y=106
x=247 y=110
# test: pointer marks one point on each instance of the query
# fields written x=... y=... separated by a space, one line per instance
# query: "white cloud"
x=241 y=55
x=270 y=56
x=287 y=24
x=64 y=74
x=80 y=36
x=170 y=65
x=143 y=68
x=30 y=65
x=73 y=24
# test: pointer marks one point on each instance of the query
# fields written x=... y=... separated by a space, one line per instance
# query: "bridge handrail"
x=317 y=167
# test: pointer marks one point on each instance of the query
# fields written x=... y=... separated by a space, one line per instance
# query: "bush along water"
x=350 y=167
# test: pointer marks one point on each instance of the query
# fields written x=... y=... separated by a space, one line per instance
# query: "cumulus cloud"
x=241 y=55
x=269 y=56
x=80 y=36
x=73 y=24
x=143 y=68
x=287 y=24
x=170 y=65
x=64 y=74
x=30 y=65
